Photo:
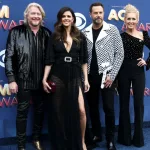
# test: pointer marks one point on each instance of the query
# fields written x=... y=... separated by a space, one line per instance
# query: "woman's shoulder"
x=140 y=35
x=82 y=36
x=54 y=37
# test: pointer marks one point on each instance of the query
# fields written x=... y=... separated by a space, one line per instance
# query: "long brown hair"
x=60 y=32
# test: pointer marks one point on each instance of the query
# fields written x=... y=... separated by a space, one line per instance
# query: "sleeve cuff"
x=11 y=79
x=47 y=62
x=112 y=77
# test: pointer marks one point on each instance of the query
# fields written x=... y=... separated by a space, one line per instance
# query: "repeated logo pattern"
x=80 y=20
x=2 y=57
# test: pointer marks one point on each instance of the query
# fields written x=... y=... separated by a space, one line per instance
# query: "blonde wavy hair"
x=131 y=9
x=28 y=9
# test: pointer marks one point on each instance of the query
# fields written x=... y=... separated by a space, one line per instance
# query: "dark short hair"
x=96 y=4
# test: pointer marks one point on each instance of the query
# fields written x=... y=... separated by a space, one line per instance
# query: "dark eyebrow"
x=66 y=15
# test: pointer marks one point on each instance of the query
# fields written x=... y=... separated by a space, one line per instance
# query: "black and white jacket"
x=109 y=48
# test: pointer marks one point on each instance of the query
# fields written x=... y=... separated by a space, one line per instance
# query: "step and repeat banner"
x=11 y=14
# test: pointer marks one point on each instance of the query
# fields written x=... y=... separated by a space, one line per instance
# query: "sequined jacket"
x=18 y=51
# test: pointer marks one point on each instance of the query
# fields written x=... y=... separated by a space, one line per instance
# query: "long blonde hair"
x=28 y=8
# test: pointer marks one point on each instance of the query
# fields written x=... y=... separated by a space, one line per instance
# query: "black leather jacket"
x=18 y=51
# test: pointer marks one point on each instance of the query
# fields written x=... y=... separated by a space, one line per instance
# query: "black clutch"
x=148 y=63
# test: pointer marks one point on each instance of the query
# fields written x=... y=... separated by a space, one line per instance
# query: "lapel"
x=103 y=32
x=88 y=33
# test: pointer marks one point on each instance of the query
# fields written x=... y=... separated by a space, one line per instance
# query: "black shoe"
x=97 y=139
x=90 y=145
x=129 y=143
x=111 y=146
x=136 y=144
x=21 y=149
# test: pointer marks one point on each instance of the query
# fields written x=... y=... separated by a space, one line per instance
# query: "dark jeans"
x=131 y=73
x=108 y=107
x=24 y=97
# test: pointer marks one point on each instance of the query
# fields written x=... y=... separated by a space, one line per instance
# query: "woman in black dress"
x=132 y=71
x=66 y=60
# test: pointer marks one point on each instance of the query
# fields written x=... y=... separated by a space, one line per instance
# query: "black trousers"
x=24 y=97
x=131 y=73
x=108 y=107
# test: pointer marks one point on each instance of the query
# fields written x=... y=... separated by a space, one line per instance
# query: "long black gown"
x=63 y=116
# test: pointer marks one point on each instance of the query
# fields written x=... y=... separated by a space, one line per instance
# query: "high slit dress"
x=63 y=110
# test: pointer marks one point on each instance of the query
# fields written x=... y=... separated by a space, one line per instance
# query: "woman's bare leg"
x=82 y=117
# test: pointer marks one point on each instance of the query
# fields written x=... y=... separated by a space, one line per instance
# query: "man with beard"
x=106 y=54
x=24 y=67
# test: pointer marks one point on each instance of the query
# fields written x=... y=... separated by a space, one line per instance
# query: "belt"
x=67 y=59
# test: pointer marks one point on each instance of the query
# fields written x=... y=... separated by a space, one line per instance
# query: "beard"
x=97 y=21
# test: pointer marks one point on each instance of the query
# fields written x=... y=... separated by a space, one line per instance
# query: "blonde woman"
x=132 y=71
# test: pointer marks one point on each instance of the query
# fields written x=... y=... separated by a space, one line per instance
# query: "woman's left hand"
x=141 y=62
x=86 y=86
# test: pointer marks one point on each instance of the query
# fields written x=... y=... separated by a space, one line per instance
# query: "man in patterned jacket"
x=106 y=54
